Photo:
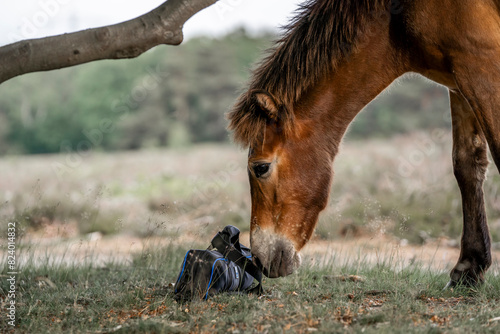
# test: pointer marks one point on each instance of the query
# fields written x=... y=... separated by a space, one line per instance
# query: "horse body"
x=336 y=57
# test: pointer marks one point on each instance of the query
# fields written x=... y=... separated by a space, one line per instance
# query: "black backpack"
x=226 y=266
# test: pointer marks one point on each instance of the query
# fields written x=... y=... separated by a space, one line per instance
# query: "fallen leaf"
x=377 y=292
x=42 y=281
x=175 y=324
x=345 y=278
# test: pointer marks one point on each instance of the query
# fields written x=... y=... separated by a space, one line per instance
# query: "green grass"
x=137 y=298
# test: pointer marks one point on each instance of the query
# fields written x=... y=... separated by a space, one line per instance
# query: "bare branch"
x=129 y=39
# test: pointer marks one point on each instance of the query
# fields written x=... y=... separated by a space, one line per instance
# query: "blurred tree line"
x=171 y=96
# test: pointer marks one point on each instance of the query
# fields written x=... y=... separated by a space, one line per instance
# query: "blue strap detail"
x=212 y=274
x=182 y=271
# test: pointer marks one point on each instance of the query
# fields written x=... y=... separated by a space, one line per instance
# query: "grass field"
x=399 y=191
x=137 y=298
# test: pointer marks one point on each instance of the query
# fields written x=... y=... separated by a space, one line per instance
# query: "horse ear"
x=267 y=103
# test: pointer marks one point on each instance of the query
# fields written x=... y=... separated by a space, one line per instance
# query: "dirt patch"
x=53 y=247
x=437 y=255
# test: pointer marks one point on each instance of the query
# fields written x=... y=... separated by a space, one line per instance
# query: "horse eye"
x=261 y=169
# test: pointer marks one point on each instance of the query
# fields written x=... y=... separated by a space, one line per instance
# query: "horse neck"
x=358 y=79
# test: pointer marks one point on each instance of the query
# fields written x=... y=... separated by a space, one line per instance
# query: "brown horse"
x=337 y=56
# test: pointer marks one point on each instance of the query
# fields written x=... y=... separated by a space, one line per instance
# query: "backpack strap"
x=230 y=252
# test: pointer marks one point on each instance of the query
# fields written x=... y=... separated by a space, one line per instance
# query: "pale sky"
x=38 y=18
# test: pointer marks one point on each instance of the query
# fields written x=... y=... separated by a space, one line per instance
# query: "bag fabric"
x=225 y=267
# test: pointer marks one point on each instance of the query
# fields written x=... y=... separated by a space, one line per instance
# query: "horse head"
x=290 y=173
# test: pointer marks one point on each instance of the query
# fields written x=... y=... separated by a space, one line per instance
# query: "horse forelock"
x=248 y=121
x=320 y=36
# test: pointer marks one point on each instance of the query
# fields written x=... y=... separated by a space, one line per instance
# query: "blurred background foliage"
x=171 y=97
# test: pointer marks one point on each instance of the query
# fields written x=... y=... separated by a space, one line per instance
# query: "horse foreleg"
x=470 y=163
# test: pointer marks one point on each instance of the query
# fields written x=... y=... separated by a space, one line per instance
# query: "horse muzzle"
x=274 y=254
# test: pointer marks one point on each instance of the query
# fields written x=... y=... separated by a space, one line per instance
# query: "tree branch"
x=128 y=39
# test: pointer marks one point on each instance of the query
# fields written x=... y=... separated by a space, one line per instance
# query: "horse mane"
x=322 y=33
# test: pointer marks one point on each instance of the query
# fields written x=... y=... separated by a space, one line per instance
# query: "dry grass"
x=139 y=193
x=403 y=187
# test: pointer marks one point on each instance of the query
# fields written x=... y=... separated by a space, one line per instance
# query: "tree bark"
x=128 y=39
